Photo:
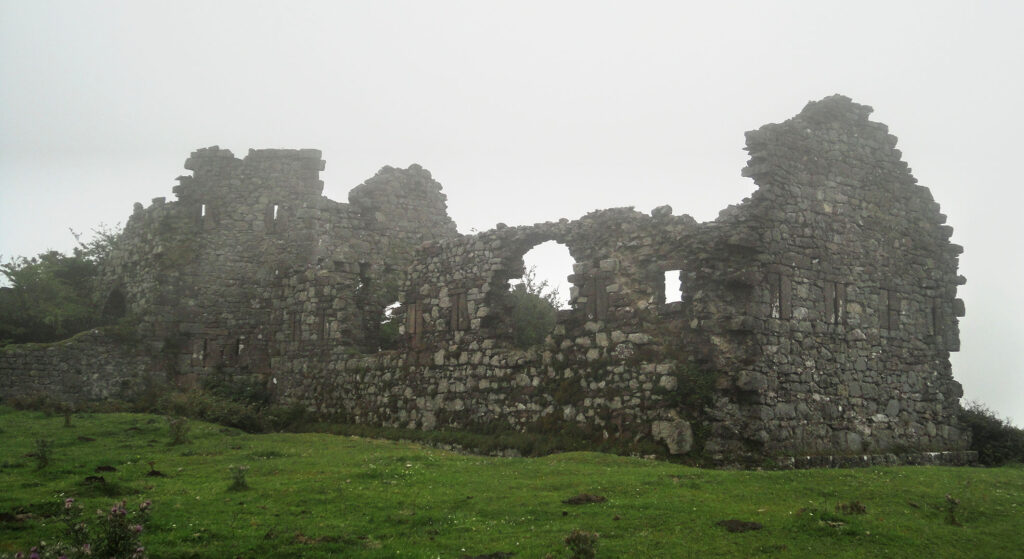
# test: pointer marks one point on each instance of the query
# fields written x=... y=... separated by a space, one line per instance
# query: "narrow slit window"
x=321 y=326
x=414 y=322
x=774 y=296
x=276 y=208
x=673 y=286
x=889 y=310
x=835 y=302
x=460 y=312
x=202 y=210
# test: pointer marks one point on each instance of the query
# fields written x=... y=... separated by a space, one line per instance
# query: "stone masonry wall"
x=816 y=318
x=90 y=366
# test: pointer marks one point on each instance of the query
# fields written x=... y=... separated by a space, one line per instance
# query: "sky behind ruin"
x=524 y=111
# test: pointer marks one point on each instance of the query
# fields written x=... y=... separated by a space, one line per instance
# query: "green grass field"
x=317 y=495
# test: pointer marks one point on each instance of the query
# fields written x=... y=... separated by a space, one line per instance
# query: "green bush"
x=582 y=545
x=42 y=453
x=179 y=428
x=996 y=440
x=51 y=295
x=388 y=336
x=238 y=481
x=533 y=309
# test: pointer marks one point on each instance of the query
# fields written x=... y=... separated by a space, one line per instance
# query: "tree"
x=51 y=295
x=98 y=247
x=533 y=310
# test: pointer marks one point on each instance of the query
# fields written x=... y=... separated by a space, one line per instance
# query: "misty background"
x=524 y=111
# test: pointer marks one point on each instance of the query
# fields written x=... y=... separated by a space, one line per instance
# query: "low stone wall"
x=495 y=389
x=88 y=367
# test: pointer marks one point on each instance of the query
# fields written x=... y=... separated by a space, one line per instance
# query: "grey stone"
x=676 y=434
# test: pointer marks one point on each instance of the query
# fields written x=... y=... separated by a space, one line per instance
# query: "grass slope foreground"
x=222 y=493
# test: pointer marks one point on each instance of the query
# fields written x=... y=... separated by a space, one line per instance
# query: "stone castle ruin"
x=816 y=318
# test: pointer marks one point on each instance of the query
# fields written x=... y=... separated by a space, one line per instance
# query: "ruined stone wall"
x=252 y=262
x=856 y=309
x=817 y=316
x=611 y=367
x=88 y=367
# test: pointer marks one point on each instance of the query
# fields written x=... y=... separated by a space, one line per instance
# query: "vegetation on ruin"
x=996 y=440
x=533 y=309
x=320 y=495
x=50 y=296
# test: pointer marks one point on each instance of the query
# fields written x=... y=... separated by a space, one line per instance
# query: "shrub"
x=249 y=417
x=115 y=533
x=534 y=309
x=238 y=482
x=996 y=440
x=951 y=509
x=42 y=453
x=582 y=545
x=179 y=428
x=388 y=336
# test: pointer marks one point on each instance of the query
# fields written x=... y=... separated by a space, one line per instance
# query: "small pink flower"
x=137 y=528
x=145 y=505
x=68 y=503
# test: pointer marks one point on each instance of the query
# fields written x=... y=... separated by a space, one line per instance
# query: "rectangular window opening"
x=202 y=210
x=673 y=286
x=276 y=207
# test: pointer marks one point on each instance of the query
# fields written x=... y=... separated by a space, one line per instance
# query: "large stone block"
x=676 y=434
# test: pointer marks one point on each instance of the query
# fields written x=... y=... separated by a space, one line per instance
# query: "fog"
x=524 y=111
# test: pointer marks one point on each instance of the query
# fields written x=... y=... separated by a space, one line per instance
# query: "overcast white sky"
x=524 y=111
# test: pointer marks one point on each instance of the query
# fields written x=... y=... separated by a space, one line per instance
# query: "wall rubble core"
x=816 y=318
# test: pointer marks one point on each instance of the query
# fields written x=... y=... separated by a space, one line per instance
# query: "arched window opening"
x=547 y=269
x=537 y=296
x=115 y=306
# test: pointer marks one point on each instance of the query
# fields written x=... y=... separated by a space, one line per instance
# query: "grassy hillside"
x=316 y=495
